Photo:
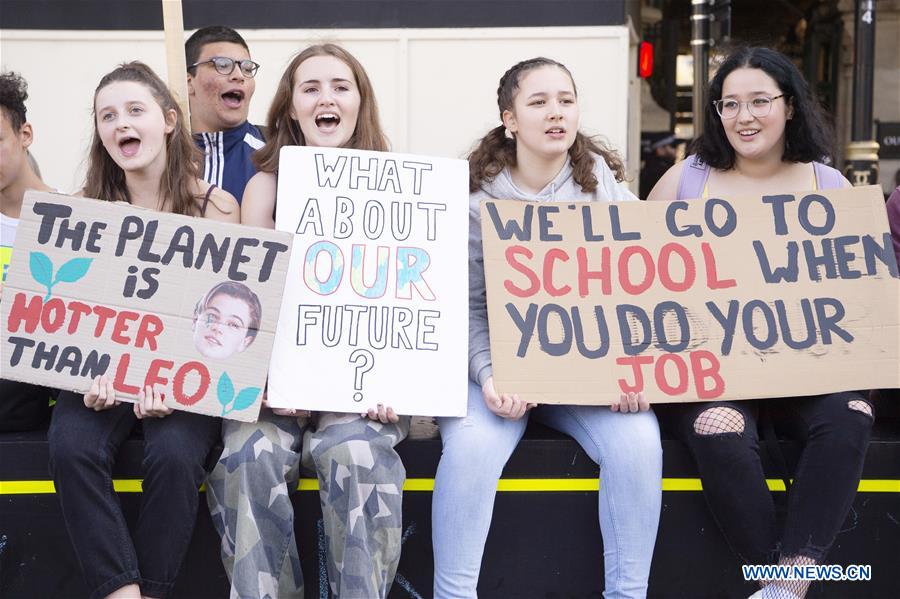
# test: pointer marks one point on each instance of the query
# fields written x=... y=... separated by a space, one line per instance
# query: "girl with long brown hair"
x=141 y=153
x=539 y=154
x=324 y=99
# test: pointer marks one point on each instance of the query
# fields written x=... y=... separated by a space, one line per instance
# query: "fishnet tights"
x=860 y=406
x=716 y=421
x=788 y=589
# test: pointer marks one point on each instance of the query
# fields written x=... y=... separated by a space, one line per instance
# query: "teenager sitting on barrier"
x=538 y=154
x=141 y=153
x=220 y=82
x=324 y=99
x=764 y=134
x=24 y=407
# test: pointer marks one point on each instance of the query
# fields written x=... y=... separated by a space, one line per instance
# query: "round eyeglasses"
x=225 y=65
x=760 y=106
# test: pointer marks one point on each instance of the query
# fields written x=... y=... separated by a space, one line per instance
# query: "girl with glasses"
x=324 y=99
x=141 y=153
x=538 y=154
x=766 y=134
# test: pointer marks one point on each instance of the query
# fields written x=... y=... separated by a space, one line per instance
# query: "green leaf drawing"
x=73 y=270
x=245 y=399
x=225 y=390
x=41 y=270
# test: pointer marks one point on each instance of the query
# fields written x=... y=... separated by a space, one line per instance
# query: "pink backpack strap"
x=827 y=177
x=694 y=174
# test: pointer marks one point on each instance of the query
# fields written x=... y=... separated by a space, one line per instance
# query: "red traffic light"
x=645 y=60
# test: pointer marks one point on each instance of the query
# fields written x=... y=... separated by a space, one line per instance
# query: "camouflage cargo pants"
x=360 y=488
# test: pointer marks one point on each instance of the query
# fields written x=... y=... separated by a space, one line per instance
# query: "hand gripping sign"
x=148 y=298
x=375 y=307
x=774 y=296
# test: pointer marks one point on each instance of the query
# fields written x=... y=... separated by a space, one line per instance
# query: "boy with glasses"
x=220 y=78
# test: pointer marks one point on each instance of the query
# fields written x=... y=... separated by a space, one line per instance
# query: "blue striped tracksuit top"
x=226 y=156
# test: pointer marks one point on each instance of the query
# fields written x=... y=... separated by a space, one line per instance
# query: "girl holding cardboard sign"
x=324 y=99
x=142 y=154
x=765 y=133
x=538 y=154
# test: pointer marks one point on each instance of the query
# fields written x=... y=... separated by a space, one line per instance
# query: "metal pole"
x=861 y=166
x=700 y=43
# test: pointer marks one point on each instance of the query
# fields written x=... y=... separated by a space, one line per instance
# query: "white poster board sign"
x=375 y=306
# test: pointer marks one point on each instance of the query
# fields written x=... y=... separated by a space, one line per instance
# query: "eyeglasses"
x=211 y=318
x=760 y=106
x=225 y=65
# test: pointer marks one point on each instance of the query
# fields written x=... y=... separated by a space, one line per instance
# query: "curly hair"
x=106 y=180
x=495 y=151
x=808 y=135
x=284 y=130
x=13 y=93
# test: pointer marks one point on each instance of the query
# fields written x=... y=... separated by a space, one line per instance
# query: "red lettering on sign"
x=585 y=275
x=512 y=253
x=30 y=313
x=625 y=272
x=665 y=275
x=154 y=377
x=77 y=309
x=119 y=383
x=121 y=326
x=635 y=362
x=103 y=314
x=659 y=373
x=550 y=257
x=178 y=383
x=702 y=373
x=712 y=274
x=150 y=327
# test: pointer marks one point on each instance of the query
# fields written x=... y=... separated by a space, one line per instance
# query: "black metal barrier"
x=544 y=541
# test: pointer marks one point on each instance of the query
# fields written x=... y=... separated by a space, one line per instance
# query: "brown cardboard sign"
x=774 y=296
x=185 y=304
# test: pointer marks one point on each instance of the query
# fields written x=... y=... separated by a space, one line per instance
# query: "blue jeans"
x=477 y=447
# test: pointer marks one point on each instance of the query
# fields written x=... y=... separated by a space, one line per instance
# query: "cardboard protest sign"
x=149 y=298
x=375 y=306
x=772 y=296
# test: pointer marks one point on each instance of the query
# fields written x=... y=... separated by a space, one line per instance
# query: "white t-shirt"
x=8 y=226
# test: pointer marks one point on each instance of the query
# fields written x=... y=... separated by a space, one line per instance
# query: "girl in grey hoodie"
x=538 y=154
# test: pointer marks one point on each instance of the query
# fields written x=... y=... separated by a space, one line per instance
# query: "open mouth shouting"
x=233 y=98
x=327 y=121
x=129 y=146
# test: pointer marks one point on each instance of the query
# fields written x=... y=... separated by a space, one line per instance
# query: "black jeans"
x=83 y=447
x=835 y=439
x=24 y=407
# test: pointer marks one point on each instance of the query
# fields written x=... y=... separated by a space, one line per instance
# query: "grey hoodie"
x=562 y=189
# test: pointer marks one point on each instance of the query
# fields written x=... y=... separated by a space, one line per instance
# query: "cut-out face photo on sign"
x=226 y=320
